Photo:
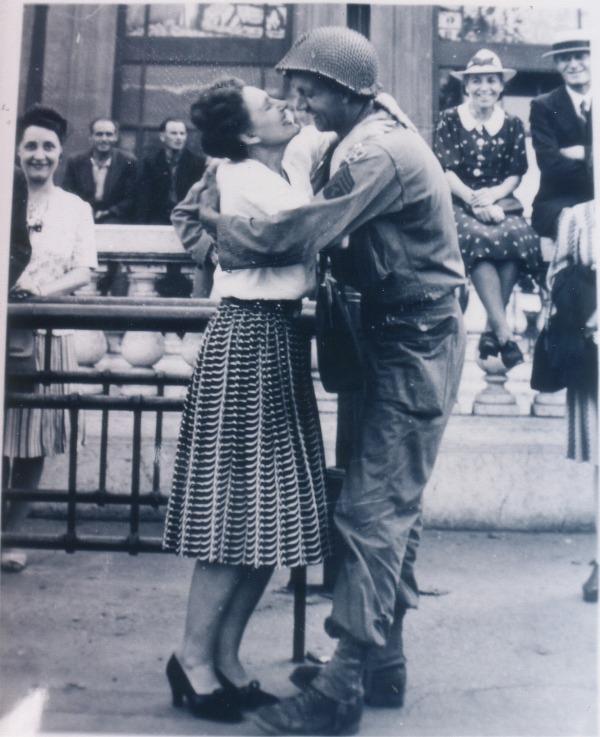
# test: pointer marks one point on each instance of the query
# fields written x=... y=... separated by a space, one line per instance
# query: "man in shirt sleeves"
x=561 y=133
x=106 y=177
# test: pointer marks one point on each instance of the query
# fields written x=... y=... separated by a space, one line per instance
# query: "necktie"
x=586 y=116
x=173 y=163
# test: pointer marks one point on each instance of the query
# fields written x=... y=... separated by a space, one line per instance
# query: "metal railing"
x=115 y=313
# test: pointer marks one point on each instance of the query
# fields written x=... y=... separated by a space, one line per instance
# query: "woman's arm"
x=67 y=283
x=459 y=188
x=481 y=201
x=190 y=230
x=488 y=195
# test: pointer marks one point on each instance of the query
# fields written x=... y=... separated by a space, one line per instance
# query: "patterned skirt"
x=582 y=425
x=511 y=240
x=32 y=432
x=249 y=483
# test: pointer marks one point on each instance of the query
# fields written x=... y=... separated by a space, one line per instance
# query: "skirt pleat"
x=582 y=425
x=33 y=432
x=249 y=484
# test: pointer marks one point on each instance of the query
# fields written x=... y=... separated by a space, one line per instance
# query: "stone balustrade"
x=148 y=253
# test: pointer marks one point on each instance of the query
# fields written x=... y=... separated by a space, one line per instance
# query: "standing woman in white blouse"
x=248 y=490
x=482 y=150
x=63 y=253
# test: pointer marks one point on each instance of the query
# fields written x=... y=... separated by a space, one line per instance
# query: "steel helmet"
x=338 y=53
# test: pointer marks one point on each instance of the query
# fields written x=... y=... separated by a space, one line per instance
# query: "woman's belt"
x=287 y=307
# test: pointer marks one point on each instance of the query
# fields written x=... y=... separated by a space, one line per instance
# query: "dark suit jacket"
x=119 y=187
x=155 y=184
x=563 y=182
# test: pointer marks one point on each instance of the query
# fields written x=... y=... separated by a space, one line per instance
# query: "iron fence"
x=129 y=314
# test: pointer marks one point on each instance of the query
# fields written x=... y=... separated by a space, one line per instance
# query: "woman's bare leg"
x=509 y=275
x=25 y=474
x=251 y=586
x=490 y=289
x=212 y=587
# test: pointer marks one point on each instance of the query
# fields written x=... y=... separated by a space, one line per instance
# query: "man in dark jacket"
x=104 y=176
x=167 y=174
x=561 y=132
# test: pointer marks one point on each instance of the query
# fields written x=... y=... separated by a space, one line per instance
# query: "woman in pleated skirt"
x=248 y=492
x=63 y=253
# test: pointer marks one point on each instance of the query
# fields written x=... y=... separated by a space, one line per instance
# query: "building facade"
x=140 y=63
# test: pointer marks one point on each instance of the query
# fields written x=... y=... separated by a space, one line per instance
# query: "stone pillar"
x=546 y=404
x=495 y=400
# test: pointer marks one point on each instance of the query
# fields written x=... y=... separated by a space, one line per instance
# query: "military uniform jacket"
x=564 y=182
x=390 y=195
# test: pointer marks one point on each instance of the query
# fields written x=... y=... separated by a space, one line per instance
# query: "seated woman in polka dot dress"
x=482 y=150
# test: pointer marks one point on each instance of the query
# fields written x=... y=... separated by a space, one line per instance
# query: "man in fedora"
x=388 y=193
x=561 y=132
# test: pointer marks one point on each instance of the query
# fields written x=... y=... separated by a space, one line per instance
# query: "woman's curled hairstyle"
x=220 y=115
x=42 y=117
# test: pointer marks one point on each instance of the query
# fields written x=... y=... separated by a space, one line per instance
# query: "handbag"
x=563 y=355
x=339 y=355
x=20 y=358
x=510 y=205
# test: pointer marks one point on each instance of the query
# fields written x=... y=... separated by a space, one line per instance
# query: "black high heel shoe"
x=217 y=706
x=488 y=345
x=511 y=354
x=249 y=697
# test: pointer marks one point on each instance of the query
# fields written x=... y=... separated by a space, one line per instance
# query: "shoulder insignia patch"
x=356 y=152
x=340 y=184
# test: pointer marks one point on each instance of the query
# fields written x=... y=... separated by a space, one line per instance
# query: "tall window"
x=166 y=52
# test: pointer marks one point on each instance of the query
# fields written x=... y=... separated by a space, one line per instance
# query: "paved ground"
x=502 y=643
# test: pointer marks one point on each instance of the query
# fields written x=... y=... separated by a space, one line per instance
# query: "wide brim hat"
x=485 y=62
x=569 y=41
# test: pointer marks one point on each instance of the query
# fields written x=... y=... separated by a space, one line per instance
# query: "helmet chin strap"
x=361 y=114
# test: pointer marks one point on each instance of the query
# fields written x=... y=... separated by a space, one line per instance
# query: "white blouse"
x=65 y=241
x=250 y=189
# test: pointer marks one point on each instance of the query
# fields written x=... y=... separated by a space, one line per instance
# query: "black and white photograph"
x=299 y=369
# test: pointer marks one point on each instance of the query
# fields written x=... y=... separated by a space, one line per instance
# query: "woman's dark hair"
x=43 y=117
x=220 y=114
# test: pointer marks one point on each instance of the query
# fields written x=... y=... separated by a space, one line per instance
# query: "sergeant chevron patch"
x=339 y=185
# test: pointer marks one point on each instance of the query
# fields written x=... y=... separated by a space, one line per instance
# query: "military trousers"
x=414 y=361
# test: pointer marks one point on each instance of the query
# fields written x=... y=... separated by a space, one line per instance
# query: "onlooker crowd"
x=119 y=188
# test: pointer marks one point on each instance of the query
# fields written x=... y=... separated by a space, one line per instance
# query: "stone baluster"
x=547 y=404
x=90 y=345
x=142 y=349
x=495 y=399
